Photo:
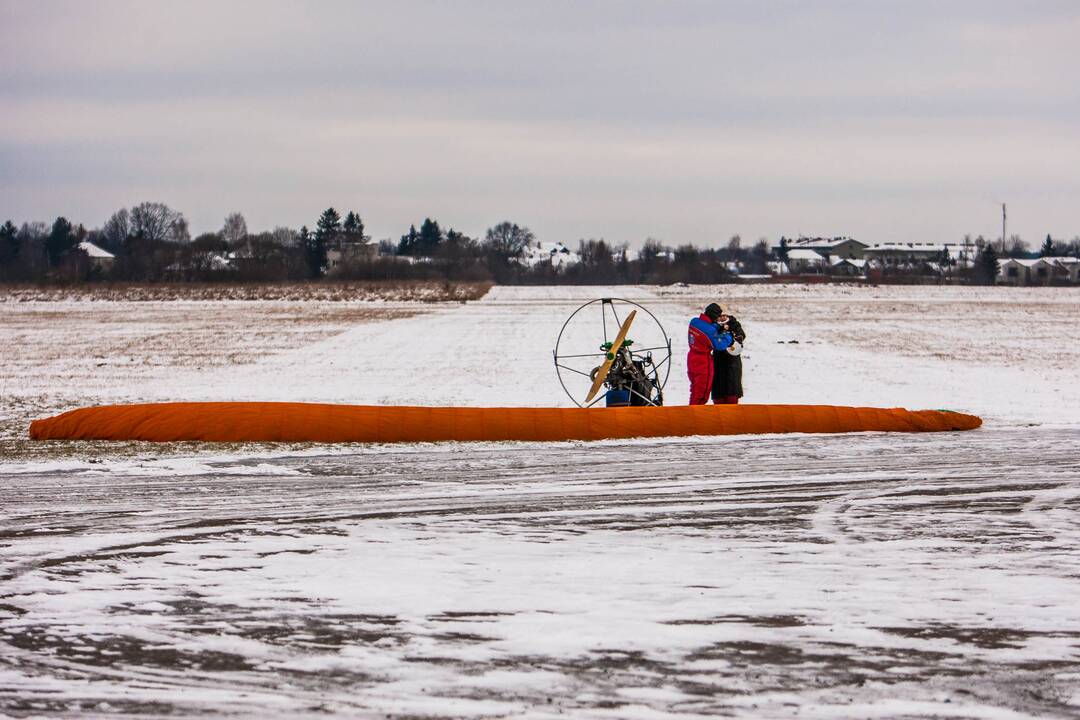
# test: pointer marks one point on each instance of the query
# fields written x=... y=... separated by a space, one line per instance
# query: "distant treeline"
x=151 y=243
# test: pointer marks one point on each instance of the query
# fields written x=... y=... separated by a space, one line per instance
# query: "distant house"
x=778 y=267
x=843 y=247
x=349 y=248
x=1015 y=271
x=962 y=254
x=850 y=267
x=1040 y=271
x=100 y=259
x=201 y=262
x=219 y=262
x=803 y=261
x=554 y=253
x=1069 y=268
x=906 y=254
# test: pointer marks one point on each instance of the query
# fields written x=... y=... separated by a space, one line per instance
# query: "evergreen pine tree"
x=60 y=240
x=9 y=243
x=781 y=252
x=328 y=226
x=409 y=242
x=353 y=225
x=327 y=229
x=430 y=237
x=1047 y=249
x=988 y=265
x=314 y=252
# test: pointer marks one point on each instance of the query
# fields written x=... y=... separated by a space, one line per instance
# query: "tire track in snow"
x=675 y=577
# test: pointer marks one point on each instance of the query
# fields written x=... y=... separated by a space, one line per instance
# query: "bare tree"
x=734 y=248
x=36 y=230
x=235 y=229
x=651 y=249
x=285 y=237
x=1017 y=246
x=117 y=228
x=156 y=221
x=509 y=239
x=178 y=230
x=31 y=238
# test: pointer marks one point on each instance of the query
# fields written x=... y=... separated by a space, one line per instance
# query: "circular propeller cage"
x=585 y=346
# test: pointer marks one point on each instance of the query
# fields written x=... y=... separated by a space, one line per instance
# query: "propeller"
x=612 y=354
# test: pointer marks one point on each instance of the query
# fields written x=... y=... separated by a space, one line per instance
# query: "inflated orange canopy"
x=310 y=422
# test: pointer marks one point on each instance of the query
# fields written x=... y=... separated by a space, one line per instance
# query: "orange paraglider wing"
x=313 y=422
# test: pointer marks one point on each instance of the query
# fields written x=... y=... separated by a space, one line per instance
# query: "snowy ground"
x=813 y=576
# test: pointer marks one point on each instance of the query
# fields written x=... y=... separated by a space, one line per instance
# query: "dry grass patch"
x=387 y=291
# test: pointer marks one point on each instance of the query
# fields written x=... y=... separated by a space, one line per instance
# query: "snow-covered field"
x=852 y=576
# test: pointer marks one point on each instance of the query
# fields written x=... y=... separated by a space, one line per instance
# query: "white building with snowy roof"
x=899 y=254
x=852 y=267
x=1038 y=271
x=844 y=247
x=905 y=254
x=1069 y=267
x=803 y=261
x=555 y=253
x=100 y=258
x=778 y=267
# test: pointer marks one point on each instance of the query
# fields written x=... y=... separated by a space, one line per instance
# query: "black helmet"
x=714 y=311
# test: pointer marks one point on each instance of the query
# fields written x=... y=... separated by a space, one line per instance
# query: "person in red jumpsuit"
x=704 y=337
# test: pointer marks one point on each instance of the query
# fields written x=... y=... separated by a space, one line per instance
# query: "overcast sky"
x=685 y=121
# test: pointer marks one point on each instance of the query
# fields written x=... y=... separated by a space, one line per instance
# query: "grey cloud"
x=771 y=107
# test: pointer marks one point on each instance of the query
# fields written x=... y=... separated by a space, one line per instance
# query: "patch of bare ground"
x=327 y=291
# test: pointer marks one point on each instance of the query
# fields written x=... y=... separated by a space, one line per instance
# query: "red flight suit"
x=703 y=337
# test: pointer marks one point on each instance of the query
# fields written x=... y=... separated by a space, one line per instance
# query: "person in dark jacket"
x=705 y=338
x=727 y=365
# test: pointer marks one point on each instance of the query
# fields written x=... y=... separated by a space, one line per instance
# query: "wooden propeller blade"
x=615 y=347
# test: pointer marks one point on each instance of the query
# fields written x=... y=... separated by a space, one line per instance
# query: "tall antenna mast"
x=1002 y=228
